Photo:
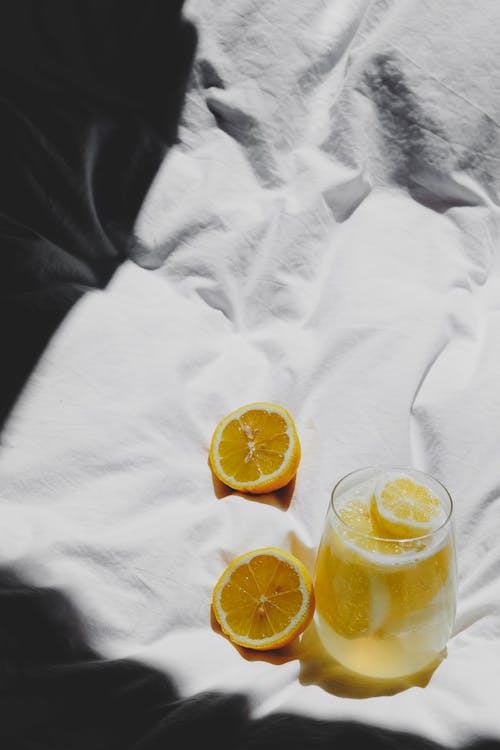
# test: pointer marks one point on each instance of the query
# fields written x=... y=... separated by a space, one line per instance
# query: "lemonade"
x=385 y=577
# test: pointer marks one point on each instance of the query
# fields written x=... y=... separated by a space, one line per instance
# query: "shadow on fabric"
x=91 y=94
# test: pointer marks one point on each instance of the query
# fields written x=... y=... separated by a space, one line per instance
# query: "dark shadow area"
x=292 y=732
x=56 y=693
x=90 y=98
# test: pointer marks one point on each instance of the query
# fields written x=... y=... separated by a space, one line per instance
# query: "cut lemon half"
x=404 y=509
x=255 y=448
x=264 y=599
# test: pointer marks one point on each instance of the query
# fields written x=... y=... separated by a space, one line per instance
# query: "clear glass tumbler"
x=385 y=576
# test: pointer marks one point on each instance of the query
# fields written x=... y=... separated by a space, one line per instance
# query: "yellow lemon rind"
x=298 y=623
x=270 y=482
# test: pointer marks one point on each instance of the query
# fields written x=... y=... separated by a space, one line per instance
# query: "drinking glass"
x=385 y=602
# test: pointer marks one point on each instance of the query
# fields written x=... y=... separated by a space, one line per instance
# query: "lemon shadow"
x=279 y=498
x=318 y=667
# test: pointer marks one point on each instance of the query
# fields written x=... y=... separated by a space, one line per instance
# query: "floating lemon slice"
x=350 y=590
x=351 y=596
x=264 y=599
x=256 y=448
x=403 y=509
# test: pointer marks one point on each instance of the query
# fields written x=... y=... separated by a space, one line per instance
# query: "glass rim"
x=391 y=467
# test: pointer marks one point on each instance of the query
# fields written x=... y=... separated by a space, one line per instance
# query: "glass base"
x=382 y=657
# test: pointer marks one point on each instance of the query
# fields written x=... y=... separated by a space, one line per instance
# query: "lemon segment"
x=264 y=599
x=255 y=448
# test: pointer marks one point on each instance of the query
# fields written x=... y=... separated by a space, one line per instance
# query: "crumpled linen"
x=324 y=236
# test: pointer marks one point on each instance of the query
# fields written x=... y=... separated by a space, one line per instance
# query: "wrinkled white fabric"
x=324 y=236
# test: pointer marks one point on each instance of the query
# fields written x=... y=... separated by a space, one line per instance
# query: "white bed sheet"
x=325 y=236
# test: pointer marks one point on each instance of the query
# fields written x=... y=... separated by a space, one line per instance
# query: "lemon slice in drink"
x=403 y=509
x=350 y=587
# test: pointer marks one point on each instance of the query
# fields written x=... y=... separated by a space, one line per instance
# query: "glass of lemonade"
x=385 y=576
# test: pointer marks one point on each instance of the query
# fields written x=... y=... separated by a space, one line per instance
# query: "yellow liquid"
x=383 y=608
